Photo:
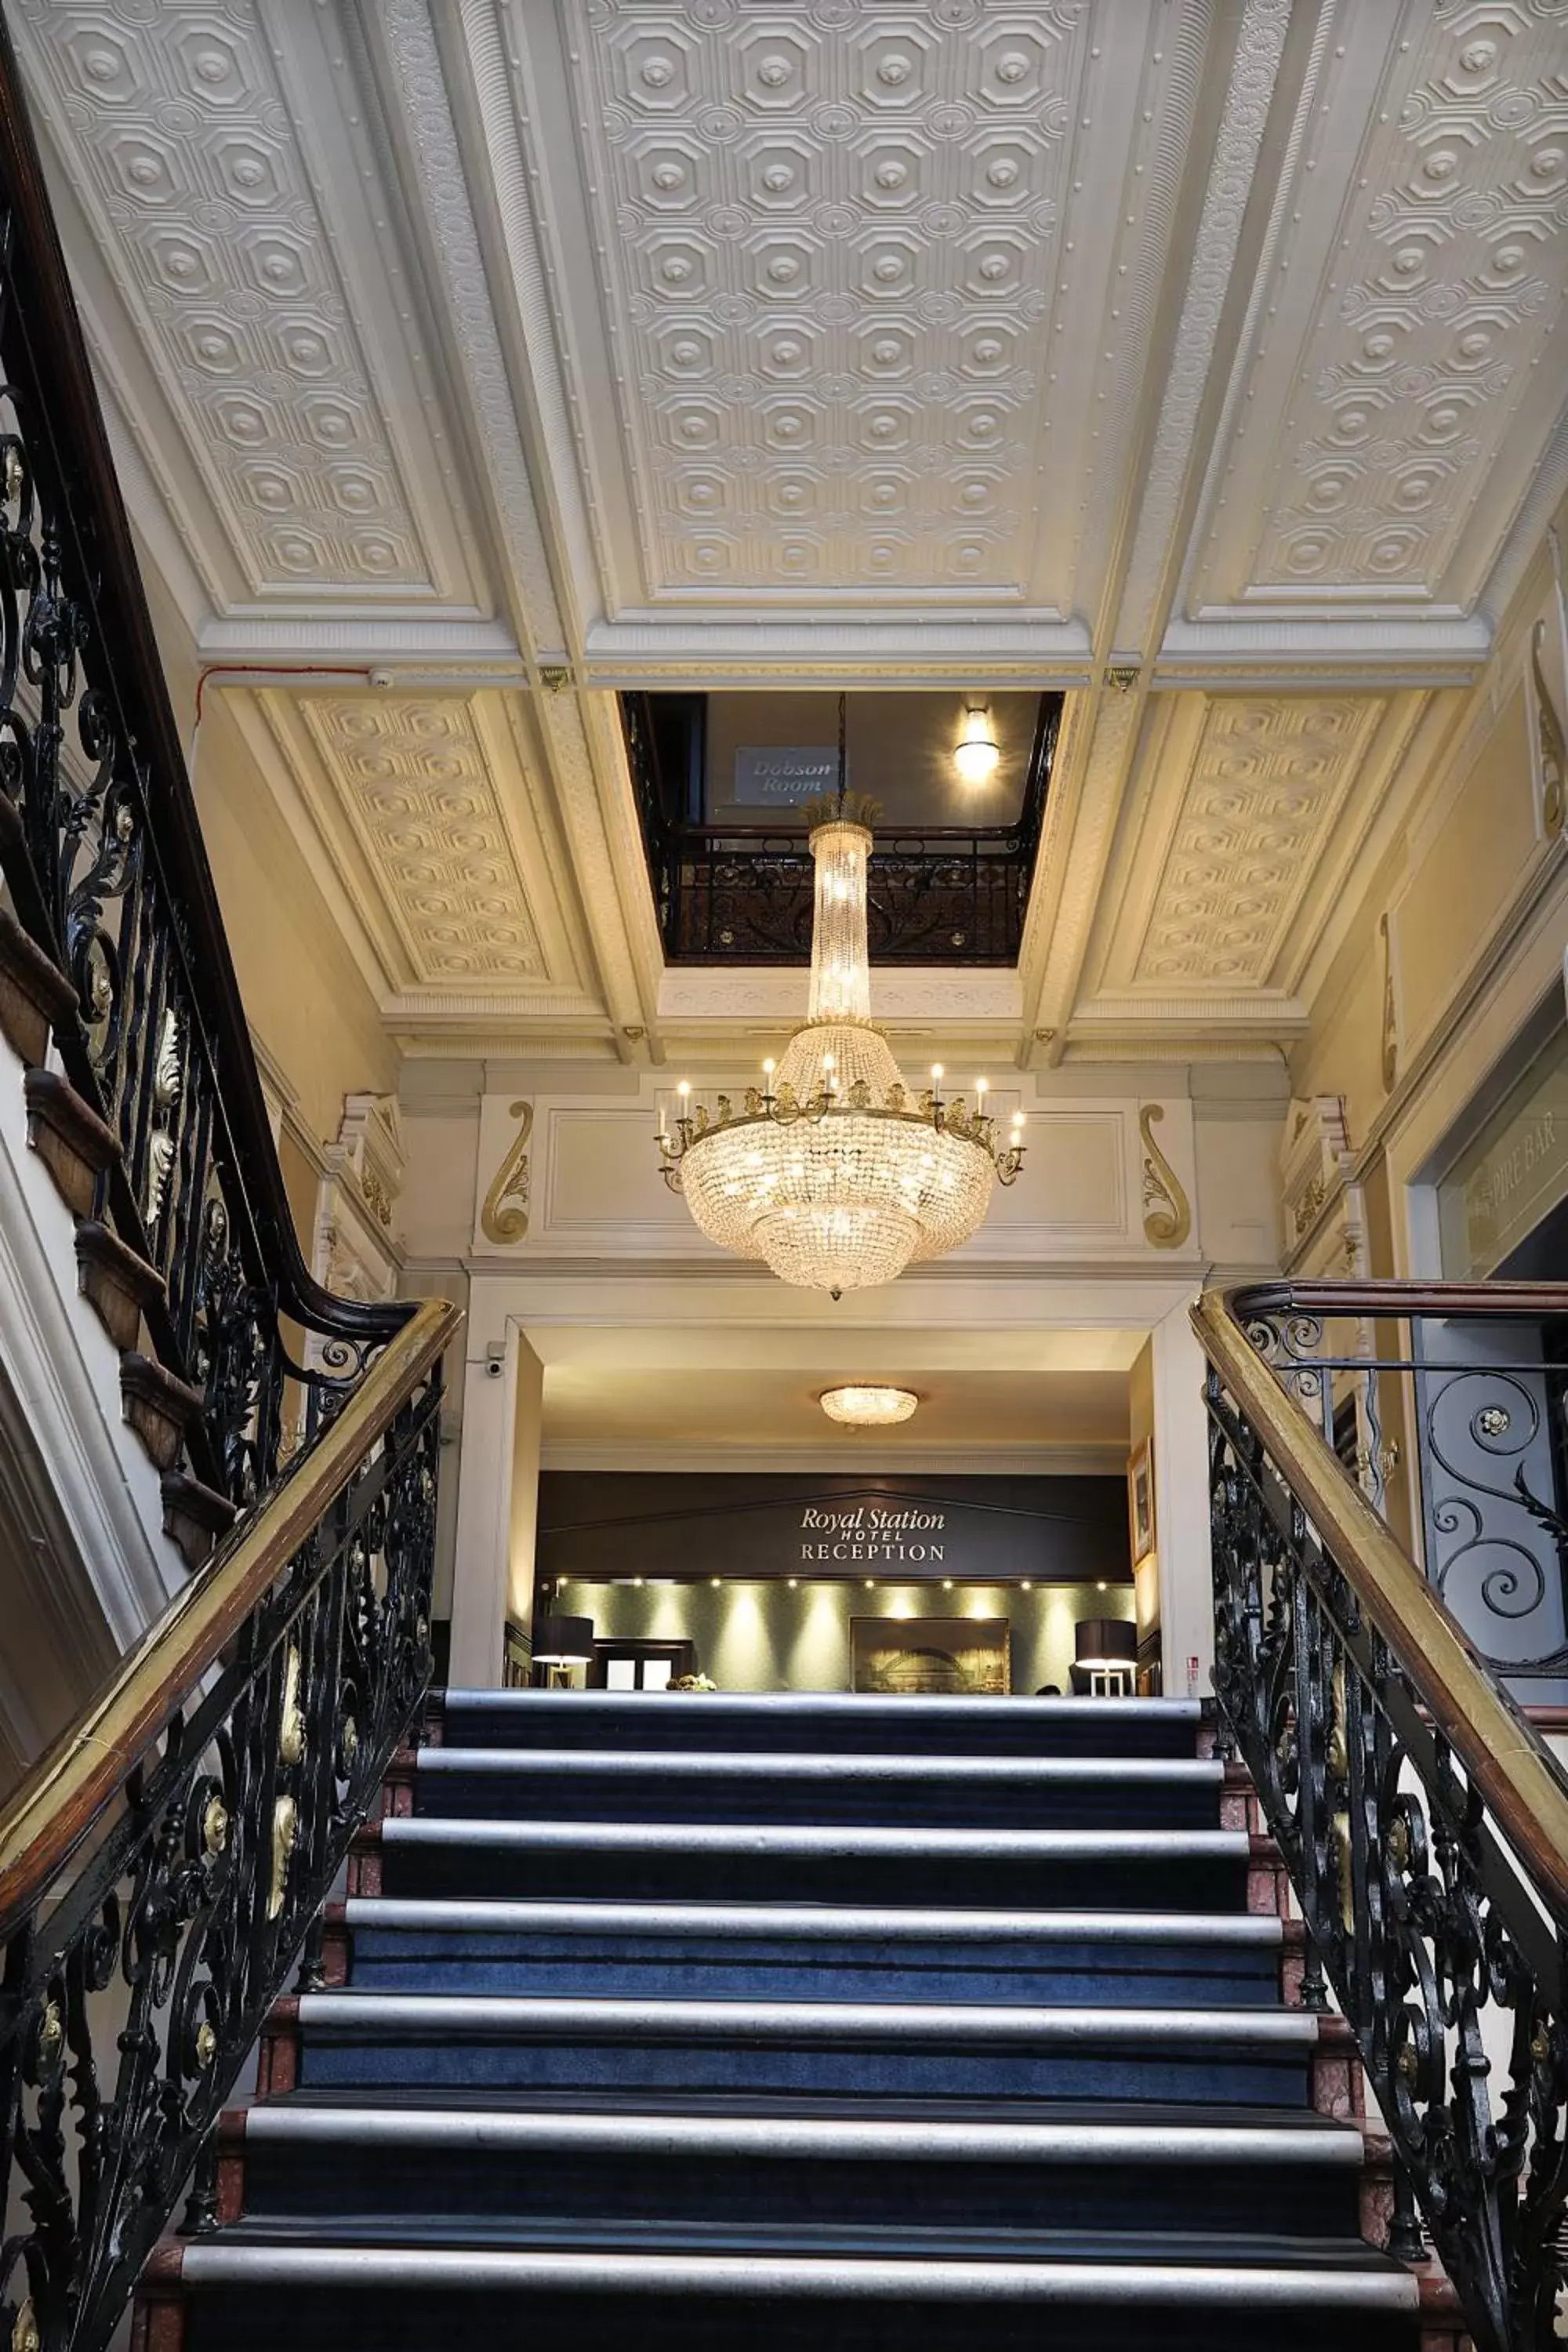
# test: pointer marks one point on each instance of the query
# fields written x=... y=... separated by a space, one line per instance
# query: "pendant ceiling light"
x=833 y=1171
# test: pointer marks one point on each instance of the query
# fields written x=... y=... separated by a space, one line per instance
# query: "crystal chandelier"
x=832 y=1171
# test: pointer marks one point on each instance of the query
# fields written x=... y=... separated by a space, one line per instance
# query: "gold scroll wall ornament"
x=1551 y=743
x=504 y=1217
x=1167 y=1215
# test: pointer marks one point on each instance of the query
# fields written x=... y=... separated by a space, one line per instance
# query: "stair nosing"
x=769 y=1763
x=813 y=1838
x=834 y=2021
x=949 y=1706
x=210 y=2262
x=927 y=2141
x=820 y=1922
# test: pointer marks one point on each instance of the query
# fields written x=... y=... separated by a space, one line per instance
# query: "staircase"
x=756 y=2020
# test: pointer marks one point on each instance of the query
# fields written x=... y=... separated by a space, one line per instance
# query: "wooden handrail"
x=69 y=1787
x=1391 y=1299
x=1502 y=1756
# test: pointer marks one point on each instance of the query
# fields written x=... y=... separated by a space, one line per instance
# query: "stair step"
x=730 y=2017
x=758 y=1786
x=813 y=1951
x=482 y=2166
x=1248 y=2056
x=424 y=1855
x=789 y=1722
x=73 y=1142
x=1216 y=2295
x=35 y=996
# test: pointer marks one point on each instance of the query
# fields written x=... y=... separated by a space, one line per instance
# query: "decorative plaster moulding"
x=1107 y=1179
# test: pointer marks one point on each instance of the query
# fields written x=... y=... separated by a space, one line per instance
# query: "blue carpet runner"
x=860 y=2024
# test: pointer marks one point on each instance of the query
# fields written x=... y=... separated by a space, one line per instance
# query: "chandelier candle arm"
x=831 y=1172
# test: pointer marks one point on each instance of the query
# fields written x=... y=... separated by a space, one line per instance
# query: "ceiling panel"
x=866 y=289
x=427 y=814
x=246 y=300
x=746 y=1410
x=1267 y=782
x=1408 y=370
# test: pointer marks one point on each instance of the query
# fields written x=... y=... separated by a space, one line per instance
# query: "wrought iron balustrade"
x=1424 y=1825
x=1447 y=1408
x=103 y=866
x=742 y=894
x=162 y=1867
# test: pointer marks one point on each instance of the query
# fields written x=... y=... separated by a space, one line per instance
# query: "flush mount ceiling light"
x=833 y=1171
x=978 y=754
x=869 y=1407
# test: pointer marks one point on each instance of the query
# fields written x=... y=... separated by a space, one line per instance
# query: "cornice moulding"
x=473 y=649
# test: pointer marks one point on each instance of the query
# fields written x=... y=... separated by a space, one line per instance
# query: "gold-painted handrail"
x=1503 y=1758
x=72 y=1783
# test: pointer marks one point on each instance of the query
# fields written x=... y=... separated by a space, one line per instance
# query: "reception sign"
x=1066 y=1530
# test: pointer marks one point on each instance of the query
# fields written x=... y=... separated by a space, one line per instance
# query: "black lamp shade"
x=563 y=1641
x=1102 y=1638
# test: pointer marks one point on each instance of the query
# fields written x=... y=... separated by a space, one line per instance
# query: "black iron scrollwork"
x=128 y=2007
x=1420 y=1921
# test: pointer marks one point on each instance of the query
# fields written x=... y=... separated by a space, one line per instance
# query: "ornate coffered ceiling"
x=1204 y=360
x=280 y=397
x=1266 y=783
x=833 y=246
x=1409 y=360
x=427 y=814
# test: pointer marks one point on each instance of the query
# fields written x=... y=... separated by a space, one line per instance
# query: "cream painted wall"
x=763 y=1636
x=304 y=995
x=306 y=999
x=1459 y=891
x=1237 y=1146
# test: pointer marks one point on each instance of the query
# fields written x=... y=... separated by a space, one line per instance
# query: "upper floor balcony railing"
x=736 y=892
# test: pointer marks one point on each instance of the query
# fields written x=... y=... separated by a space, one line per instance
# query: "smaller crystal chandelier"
x=868 y=1406
x=832 y=1171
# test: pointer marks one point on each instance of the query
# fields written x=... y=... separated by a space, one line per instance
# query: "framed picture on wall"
x=925 y=1655
x=1140 y=1501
